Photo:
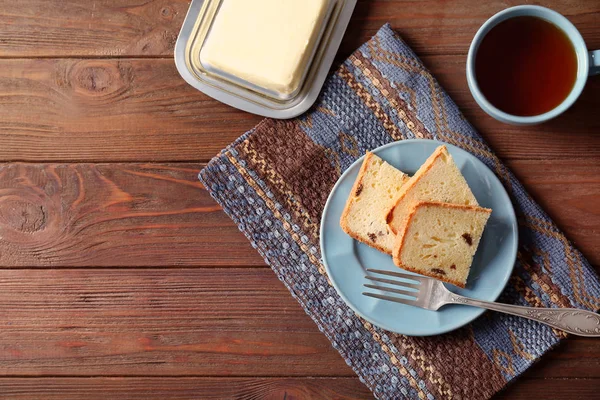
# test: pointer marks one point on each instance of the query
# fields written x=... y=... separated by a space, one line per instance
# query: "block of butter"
x=267 y=44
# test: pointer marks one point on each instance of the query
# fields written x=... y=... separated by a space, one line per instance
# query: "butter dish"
x=267 y=57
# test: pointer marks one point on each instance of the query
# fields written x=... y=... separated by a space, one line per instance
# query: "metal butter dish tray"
x=245 y=95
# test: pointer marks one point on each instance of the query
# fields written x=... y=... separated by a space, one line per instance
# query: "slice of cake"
x=373 y=193
x=440 y=240
x=438 y=179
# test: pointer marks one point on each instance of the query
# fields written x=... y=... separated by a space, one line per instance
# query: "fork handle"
x=571 y=320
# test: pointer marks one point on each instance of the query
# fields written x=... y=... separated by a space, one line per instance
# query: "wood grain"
x=252 y=388
x=447 y=27
x=90 y=28
x=122 y=28
x=183 y=388
x=109 y=110
x=212 y=322
x=103 y=215
x=114 y=215
x=106 y=110
x=181 y=322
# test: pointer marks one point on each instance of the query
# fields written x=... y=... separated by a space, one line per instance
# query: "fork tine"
x=387 y=289
x=393 y=282
x=398 y=275
x=391 y=298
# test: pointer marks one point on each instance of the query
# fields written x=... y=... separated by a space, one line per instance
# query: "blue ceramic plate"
x=346 y=259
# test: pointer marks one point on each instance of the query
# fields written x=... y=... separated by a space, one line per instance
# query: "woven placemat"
x=274 y=180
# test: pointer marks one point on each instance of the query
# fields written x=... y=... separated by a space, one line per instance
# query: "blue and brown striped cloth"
x=274 y=180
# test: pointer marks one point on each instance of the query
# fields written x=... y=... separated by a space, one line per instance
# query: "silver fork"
x=431 y=294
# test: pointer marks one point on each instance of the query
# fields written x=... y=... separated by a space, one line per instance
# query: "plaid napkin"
x=274 y=180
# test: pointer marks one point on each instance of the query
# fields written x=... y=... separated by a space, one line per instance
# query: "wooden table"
x=121 y=278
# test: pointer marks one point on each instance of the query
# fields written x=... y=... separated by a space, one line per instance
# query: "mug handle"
x=594 y=62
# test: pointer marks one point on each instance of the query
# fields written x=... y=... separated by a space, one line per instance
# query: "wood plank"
x=253 y=388
x=109 y=110
x=83 y=215
x=213 y=322
x=85 y=28
x=82 y=28
x=182 y=388
x=114 y=215
x=556 y=389
x=141 y=110
x=439 y=27
x=216 y=322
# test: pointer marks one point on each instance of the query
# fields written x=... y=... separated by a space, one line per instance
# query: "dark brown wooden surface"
x=121 y=278
x=318 y=388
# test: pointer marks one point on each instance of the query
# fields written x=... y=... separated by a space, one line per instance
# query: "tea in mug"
x=526 y=66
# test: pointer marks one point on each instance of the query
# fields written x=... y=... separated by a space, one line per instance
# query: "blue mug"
x=588 y=63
